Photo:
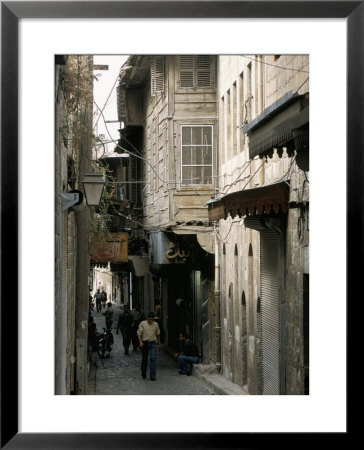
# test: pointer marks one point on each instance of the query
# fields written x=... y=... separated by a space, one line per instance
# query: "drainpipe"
x=217 y=260
x=217 y=305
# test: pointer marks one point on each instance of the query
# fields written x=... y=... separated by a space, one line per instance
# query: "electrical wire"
x=228 y=233
x=275 y=65
x=174 y=182
x=247 y=164
x=254 y=175
x=303 y=84
x=120 y=70
x=289 y=169
x=140 y=157
x=163 y=181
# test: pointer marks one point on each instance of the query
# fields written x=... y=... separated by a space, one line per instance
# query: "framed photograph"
x=32 y=33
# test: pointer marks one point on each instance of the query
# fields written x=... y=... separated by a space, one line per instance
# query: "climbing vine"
x=77 y=79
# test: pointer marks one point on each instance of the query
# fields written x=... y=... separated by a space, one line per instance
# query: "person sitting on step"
x=188 y=356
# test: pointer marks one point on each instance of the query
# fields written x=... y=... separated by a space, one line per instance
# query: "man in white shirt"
x=149 y=338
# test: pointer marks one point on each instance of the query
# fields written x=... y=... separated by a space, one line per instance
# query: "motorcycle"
x=104 y=344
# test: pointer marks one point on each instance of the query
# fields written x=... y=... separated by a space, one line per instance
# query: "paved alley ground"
x=121 y=374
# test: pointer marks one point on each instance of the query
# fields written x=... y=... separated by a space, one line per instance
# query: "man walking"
x=108 y=316
x=149 y=338
x=103 y=298
x=98 y=297
x=124 y=323
x=137 y=315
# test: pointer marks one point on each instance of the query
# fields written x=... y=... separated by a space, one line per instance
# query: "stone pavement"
x=121 y=374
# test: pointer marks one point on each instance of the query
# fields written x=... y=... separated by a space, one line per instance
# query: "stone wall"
x=266 y=78
x=64 y=258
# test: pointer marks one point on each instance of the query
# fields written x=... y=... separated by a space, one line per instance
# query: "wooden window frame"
x=182 y=183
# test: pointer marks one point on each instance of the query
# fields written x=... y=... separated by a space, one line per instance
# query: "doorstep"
x=219 y=384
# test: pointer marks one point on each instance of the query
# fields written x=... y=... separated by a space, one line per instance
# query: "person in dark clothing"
x=188 y=356
x=93 y=336
x=103 y=298
x=108 y=316
x=124 y=324
x=138 y=316
x=90 y=302
x=98 y=297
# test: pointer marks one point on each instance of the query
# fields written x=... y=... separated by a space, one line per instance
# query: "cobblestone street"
x=121 y=374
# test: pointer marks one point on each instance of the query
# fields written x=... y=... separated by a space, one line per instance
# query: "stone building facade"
x=65 y=238
x=168 y=105
x=261 y=214
x=72 y=257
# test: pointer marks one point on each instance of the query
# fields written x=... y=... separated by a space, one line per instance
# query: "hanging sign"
x=110 y=247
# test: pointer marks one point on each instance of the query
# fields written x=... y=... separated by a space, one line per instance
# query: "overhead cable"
x=275 y=65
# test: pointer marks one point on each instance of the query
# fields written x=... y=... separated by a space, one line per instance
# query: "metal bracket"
x=69 y=200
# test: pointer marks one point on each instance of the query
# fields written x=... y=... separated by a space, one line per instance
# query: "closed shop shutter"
x=64 y=330
x=64 y=260
x=269 y=247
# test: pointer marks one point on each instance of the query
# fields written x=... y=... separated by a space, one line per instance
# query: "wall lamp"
x=93 y=184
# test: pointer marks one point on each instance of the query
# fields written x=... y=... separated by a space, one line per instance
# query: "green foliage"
x=77 y=132
x=102 y=215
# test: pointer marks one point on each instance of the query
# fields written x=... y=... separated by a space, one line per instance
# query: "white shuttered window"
x=157 y=75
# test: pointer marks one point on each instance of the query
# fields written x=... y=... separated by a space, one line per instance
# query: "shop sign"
x=110 y=247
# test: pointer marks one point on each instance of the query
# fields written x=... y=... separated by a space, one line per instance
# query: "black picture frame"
x=11 y=12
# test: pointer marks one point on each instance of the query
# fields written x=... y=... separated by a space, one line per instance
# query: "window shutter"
x=157 y=75
x=186 y=70
x=204 y=71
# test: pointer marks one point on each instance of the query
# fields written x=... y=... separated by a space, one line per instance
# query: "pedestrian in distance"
x=108 y=316
x=124 y=324
x=90 y=302
x=103 y=298
x=149 y=339
x=137 y=315
x=92 y=336
x=188 y=356
x=98 y=298
x=158 y=317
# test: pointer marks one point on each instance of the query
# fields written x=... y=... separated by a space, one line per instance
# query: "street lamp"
x=93 y=184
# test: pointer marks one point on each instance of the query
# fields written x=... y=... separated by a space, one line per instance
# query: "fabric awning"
x=283 y=124
x=140 y=265
x=269 y=199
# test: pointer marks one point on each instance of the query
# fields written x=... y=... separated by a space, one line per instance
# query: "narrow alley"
x=120 y=374
x=195 y=207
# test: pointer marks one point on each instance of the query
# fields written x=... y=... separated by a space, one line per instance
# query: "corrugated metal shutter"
x=64 y=296
x=64 y=260
x=270 y=314
x=71 y=299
